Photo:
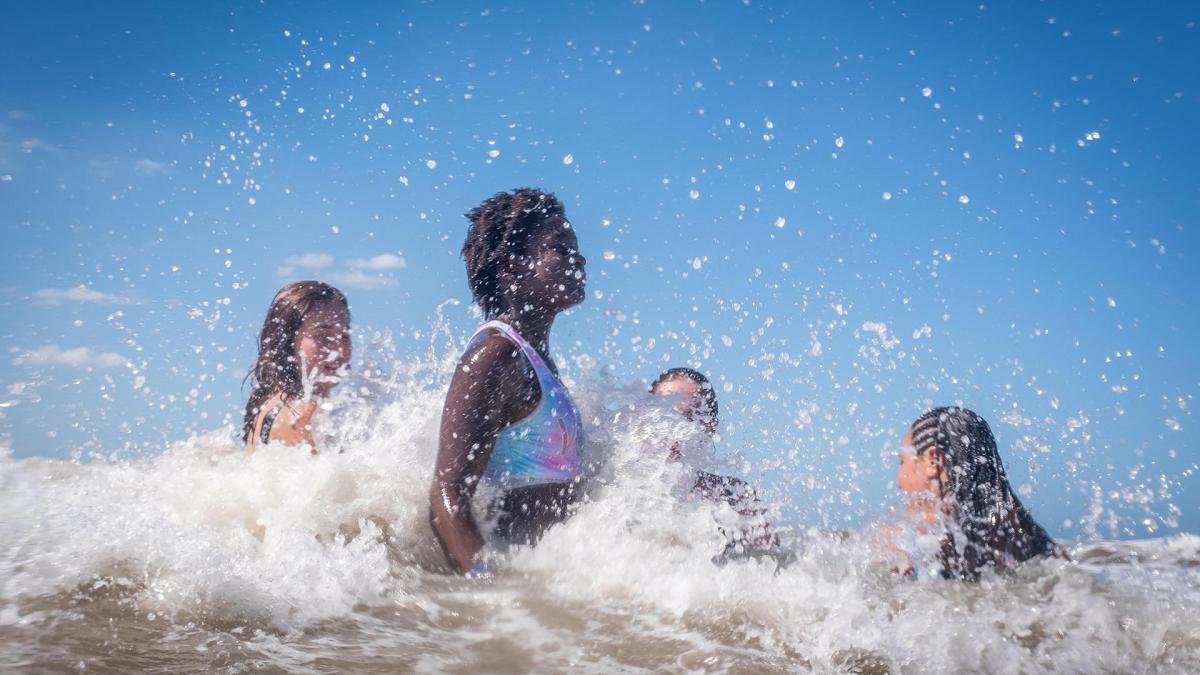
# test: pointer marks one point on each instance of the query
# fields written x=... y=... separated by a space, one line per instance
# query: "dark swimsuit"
x=264 y=433
x=756 y=539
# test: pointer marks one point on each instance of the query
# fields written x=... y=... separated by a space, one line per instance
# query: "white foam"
x=284 y=539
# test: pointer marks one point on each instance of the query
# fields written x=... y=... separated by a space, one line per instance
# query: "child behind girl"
x=696 y=400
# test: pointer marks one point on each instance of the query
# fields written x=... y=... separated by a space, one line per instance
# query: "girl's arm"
x=479 y=404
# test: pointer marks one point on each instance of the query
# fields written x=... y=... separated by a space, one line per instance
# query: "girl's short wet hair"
x=500 y=231
x=708 y=395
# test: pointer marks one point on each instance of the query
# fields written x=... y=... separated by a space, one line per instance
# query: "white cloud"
x=310 y=262
x=149 y=167
x=79 y=357
x=361 y=280
x=28 y=145
x=81 y=293
x=361 y=273
x=378 y=263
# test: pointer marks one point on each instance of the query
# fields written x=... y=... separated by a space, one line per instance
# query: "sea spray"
x=207 y=557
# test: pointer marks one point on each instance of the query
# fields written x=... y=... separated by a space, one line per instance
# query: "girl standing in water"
x=951 y=470
x=510 y=429
x=303 y=351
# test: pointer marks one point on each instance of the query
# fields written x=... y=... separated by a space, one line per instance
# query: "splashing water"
x=205 y=557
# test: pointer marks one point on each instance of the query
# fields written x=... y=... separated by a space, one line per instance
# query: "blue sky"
x=844 y=212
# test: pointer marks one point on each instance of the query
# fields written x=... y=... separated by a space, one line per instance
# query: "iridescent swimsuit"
x=542 y=448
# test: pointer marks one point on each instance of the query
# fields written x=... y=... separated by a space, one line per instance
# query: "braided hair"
x=276 y=370
x=995 y=525
x=500 y=231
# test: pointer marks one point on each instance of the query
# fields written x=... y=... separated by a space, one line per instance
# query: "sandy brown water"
x=1058 y=620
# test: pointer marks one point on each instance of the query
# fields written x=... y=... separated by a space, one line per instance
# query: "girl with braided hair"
x=508 y=458
x=950 y=454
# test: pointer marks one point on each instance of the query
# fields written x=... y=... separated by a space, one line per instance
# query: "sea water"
x=203 y=557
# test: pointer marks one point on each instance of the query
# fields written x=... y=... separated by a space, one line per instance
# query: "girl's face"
x=686 y=391
x=689 y=401
x=323 y=347
x=551 y=274
x=917 y=473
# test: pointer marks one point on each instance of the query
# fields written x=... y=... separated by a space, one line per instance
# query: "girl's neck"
x=534 y=326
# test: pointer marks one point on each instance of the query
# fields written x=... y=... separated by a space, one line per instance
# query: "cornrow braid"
x=927 y=431
x=500 y=231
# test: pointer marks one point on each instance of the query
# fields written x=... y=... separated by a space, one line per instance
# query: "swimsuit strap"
x=264 y=433
x=543 y=372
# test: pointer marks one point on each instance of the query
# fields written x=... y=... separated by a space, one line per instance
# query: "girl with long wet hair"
x=508 y=459
x=950 y=454
x=303 y=351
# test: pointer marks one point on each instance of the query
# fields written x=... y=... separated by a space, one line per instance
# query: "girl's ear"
x=933 y=467
x=936 y=471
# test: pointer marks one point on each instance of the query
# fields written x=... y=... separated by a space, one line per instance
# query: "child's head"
x=951 y=453
x=521 y=253
x=696 y=398
x=303 y=348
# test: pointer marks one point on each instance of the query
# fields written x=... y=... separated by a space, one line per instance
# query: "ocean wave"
x=207 y=556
